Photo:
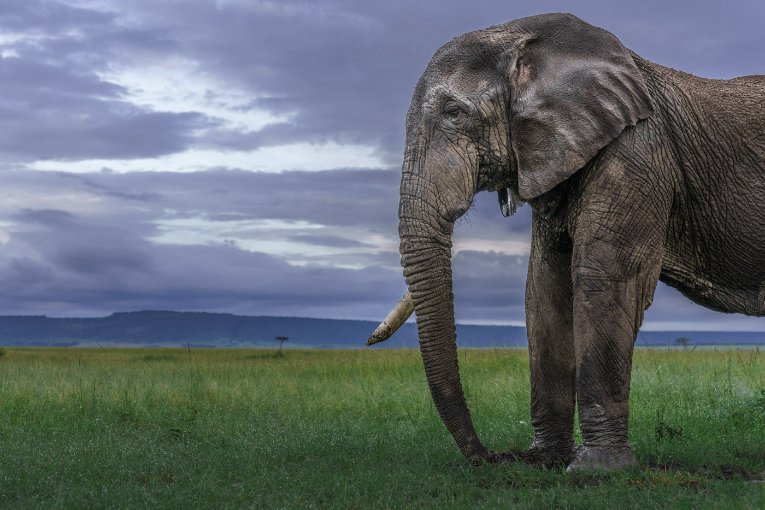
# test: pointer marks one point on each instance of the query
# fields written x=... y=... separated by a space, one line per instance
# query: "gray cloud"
x=58 y=262
x=327 y=240
x=50 y=217
x=88 y=260
x=54 y=105
x=344 y=69
x=348 y=68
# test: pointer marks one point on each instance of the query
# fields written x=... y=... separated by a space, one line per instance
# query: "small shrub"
x=666 y=431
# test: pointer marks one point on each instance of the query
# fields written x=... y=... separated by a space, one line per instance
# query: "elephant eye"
x=452 y=110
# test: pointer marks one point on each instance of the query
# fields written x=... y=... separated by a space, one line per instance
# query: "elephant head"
x=516 y=108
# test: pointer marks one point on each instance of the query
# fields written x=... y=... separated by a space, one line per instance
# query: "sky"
x=244 y=156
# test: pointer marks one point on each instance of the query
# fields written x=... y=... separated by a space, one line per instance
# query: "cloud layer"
x=243 y=156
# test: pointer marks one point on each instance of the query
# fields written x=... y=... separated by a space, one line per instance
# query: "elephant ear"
x=574 y=88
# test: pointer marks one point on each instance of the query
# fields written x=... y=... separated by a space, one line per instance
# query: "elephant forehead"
x=473 y=90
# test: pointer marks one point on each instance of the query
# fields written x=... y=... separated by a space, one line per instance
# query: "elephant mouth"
x=509 y=201
x=396 y=318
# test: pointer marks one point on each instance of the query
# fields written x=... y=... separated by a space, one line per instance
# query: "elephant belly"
x=715 y=251
x=716 y=296
x=726 y=283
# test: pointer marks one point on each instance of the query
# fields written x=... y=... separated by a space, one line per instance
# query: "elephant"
x=635 y=173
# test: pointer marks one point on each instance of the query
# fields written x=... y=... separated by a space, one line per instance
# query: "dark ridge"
x=197 y=329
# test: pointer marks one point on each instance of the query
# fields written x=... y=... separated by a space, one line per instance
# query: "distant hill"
x=199 y=329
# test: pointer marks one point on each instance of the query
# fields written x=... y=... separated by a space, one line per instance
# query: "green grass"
x=177 y=428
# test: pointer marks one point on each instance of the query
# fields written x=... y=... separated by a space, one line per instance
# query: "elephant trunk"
x=426 y=258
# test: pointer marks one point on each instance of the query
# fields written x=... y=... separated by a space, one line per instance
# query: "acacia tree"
x=281 y=340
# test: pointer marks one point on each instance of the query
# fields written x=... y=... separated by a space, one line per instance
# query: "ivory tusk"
x=395 y=319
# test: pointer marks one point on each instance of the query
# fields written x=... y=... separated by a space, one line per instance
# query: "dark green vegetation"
x=353 y=429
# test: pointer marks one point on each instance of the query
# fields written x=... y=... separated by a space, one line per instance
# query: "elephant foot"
x=548 y=457
x=593 y=458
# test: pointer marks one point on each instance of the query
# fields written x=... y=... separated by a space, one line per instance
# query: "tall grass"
x=248 y=428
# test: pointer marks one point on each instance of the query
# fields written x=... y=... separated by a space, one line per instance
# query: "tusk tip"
x=376 y=337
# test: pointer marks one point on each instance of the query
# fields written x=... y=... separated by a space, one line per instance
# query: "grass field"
x=353 y=429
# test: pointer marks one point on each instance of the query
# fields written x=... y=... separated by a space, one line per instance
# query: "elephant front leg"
x=551 y=355
x=608 y=311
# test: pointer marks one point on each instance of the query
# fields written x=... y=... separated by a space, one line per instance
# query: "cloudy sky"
x=243 y=156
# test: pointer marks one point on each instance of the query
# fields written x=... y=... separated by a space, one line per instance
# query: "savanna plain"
x=183 y=428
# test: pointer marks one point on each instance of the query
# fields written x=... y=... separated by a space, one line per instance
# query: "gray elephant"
x=635 y=173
